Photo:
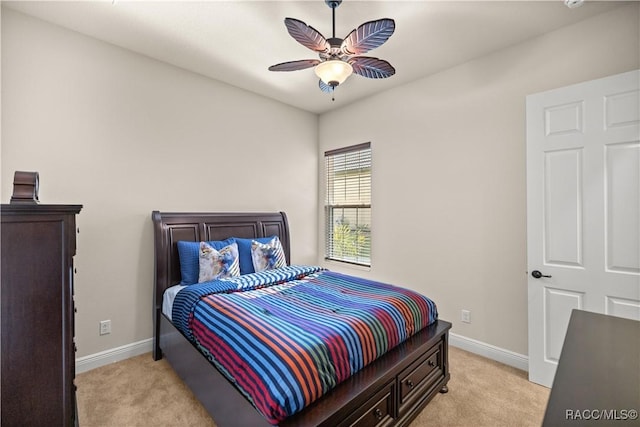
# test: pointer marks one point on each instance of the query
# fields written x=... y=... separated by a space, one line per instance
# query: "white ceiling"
x=236 y=41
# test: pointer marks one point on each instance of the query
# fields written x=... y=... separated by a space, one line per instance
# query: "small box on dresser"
x=38 y=349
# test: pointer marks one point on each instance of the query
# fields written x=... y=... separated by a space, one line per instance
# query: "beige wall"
x=449 y=188
x=123 y=135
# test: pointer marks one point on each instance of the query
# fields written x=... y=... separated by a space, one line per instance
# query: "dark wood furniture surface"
x=598 y=375
x=38 y=350
x=390 y=391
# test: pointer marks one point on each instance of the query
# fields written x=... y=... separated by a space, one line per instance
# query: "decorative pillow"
x=267 y=256
x=189 y=253
x=244 y=250
x=216 y=264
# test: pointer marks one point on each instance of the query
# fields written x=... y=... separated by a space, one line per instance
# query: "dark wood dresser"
x=38 y=349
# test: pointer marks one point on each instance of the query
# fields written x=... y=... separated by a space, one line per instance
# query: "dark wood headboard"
x=170 y=227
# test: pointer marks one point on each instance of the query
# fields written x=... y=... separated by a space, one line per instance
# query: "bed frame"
x=390 y=391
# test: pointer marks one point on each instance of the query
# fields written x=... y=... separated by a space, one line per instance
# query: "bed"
x=391 y=390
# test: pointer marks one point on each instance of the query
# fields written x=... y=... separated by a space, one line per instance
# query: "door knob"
x=537 y=274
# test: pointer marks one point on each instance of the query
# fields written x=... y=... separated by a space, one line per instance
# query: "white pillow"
x=216 y=264
x=267 y=256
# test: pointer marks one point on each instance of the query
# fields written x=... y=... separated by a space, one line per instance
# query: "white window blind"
x=348 y=204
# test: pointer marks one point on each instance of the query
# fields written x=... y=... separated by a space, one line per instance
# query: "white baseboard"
x=489 y=351
x=87 y=363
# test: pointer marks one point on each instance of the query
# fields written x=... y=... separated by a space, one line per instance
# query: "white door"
x=583 y=209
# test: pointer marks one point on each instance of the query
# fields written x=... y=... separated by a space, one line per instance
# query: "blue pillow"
x=189 y=253
x=244 y=253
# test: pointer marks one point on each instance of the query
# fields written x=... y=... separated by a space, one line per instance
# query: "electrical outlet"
x=105 y=327
x=466 y=316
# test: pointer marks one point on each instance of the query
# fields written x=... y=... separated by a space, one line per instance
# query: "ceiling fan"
x=339 y=58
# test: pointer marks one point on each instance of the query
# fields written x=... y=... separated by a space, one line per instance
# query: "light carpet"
x=139 y=392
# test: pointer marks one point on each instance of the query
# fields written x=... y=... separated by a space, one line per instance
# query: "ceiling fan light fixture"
x=339 y=58
x=334 y=71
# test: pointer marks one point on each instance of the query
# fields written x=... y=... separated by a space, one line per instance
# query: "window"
x=348 y=204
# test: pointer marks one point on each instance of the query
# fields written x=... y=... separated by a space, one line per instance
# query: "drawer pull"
x=410 y=384
x=432 y=363
x=378 y=413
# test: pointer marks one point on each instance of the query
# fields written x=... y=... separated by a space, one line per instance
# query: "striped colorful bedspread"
x=288 y=336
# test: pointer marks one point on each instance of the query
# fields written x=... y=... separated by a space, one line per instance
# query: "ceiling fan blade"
x=306 y=35
x=372 y=68
x=368 y=36
x=325 y=87
x=295 y=65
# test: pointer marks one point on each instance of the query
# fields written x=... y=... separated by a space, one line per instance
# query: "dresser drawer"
x=378 y=411
x=416 y=380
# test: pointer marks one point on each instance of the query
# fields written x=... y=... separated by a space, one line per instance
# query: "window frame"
x=330 y=206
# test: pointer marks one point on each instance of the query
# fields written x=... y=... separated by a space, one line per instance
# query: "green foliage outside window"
x=351 y=243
